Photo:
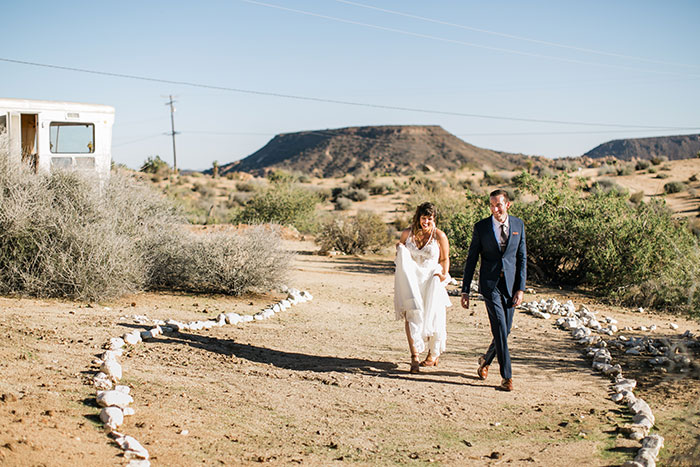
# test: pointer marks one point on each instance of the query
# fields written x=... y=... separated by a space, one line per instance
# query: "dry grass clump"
x=220 y=262
x=365 y=232
x=61 y=235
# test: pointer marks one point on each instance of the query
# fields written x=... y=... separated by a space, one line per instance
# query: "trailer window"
x=72 y=138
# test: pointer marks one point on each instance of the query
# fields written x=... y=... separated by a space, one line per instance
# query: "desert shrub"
x=656 y=160
x=380 y=188
x=564 y=165
x=665 y=167
x=363 y=233
x=221 y=263
x=674 y=187
x=284 y=204
x=361 y=183
x=625 y=169
x=281 y=176
x=652 y=170
x=356 y=194
x=64 y=235
x=642 y=164
x=607 y=185
x=206 y=190
x=155 y=165
x=607 y=170
x=662 y=176
x=693 y=178
x=637 y=197
x=342 y=203
x=632 y=253
x=236 y=199
x=492 y=179
x=249 y=186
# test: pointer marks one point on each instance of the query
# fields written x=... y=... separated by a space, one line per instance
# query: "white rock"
x=258 y=316
x=128 y=411
x=139 y=463
x=276 y=308
x=673 y=326
x=653 y=443
x=652 y=327
x=131 y=447
x=233 y=318
x=112 y=417
x=645 y=457
x=123 y=388
x=116 y=343
x=113 y=398
x=643 y=420
x=268 y=313
x=632 y=464
x=102 y=381
x=112 y=368
x=246 y=318
x=112 y=354
x=613 y=370
x=625 y=384
x=132 y=338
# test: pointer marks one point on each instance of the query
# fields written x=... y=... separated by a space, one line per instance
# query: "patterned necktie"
x=504 y=238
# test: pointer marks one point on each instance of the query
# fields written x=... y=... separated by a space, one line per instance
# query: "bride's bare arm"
x=444 y=254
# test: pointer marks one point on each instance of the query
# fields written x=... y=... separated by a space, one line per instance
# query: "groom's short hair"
x=500 y=192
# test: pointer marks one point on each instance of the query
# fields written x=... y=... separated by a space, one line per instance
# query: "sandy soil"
x=323 y=383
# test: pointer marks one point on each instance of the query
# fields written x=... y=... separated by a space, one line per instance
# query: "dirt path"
x=323 y=383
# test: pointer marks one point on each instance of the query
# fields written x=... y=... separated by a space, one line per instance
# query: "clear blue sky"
x=635 y=64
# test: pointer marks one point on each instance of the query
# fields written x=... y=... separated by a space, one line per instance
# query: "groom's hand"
x=465 y=300
x=518 y=298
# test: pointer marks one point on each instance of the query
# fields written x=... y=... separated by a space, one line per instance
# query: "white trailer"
x=50 y=135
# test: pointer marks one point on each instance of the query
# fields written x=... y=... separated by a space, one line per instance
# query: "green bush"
x=155 y=165
x=342 y=203
x=363 y=233
x=284 y=204
x=642 y=164
x=637 y=197
x=634 y=253
x=656 y=160
x=674 y=187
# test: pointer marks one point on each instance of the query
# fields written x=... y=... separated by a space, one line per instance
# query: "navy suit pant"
x=500 y=310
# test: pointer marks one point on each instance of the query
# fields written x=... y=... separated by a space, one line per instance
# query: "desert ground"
x=325 y=382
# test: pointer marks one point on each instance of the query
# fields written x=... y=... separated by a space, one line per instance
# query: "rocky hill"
x=673 y=147
x=389 y=149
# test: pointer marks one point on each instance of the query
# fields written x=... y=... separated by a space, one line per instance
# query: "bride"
x=422 y=264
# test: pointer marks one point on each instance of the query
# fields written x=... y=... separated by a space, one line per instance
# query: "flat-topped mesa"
x=395 y=149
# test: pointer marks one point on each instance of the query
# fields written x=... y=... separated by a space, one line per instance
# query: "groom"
x=500 y=242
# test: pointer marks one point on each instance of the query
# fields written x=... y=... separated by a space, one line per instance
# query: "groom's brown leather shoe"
x=506 y=384
x=483 y=370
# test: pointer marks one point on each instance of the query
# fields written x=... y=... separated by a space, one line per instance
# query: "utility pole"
x=172 y=128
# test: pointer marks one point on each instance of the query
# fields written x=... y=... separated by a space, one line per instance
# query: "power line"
x=338 y=101
x=511 y=36
x=455 y=41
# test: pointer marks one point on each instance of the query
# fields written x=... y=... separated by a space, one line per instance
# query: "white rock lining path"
x=115 y=399
x=582 y=323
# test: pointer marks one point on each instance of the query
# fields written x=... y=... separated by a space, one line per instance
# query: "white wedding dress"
x=419 y=296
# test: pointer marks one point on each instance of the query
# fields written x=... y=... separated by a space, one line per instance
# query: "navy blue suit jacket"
x=512 y=262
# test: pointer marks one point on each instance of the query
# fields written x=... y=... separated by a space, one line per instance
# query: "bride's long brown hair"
x=425 y=209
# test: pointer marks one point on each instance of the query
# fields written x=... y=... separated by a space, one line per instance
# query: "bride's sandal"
x=429 y=362
x=415 y=364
